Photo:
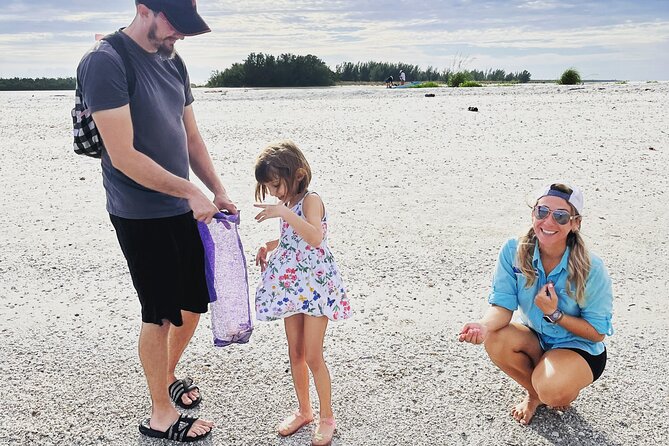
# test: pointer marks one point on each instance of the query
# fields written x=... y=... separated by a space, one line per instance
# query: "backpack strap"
x=115 y=39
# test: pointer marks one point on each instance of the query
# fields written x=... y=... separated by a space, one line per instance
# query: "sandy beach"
x=421 y=194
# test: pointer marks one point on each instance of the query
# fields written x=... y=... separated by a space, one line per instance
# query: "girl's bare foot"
x=524 y=411
x=294 y=422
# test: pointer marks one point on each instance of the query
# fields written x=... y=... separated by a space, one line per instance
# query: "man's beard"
x=163 y=50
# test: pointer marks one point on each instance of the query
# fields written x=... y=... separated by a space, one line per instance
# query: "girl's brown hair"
x=578 y=266
x=283 y=161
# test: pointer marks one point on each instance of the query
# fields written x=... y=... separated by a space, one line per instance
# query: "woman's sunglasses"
x=561 y=216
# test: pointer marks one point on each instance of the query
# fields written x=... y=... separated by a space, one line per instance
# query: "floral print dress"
x=300 y=278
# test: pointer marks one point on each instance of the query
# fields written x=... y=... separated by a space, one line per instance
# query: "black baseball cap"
x=182 y=15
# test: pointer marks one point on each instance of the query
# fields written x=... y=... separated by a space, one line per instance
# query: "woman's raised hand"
x=546 y=299
x=473 y=332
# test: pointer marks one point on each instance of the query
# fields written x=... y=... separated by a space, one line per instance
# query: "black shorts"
x=166 y=262
x=596 y=363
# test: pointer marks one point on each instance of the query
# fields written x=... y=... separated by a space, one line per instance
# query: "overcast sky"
x=612 y=39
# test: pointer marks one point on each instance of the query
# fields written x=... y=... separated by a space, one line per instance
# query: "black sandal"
x=176 y=432
x=180 y=387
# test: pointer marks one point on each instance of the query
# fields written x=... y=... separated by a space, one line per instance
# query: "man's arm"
x=201 y=164
x=115 y=127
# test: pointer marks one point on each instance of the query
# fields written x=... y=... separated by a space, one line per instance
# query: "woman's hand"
x=261 y=258
x=473 y=332
x=547 y=300
x=270 y=211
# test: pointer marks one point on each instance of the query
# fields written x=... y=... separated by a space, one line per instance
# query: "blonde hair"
x=283 y=161
x=578 y=266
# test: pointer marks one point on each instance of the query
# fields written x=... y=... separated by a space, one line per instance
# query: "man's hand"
x=547 y=300
x=261 y=258
x=203 y=209
x=270 y=211
x=473 y=332
x=222 y=202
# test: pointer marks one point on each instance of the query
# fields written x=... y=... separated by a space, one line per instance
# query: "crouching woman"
x=563 y=297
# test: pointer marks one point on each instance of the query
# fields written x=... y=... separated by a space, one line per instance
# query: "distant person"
x=389 y=82
x=403 y=77
x=563 y=296
x=151 y=141
x=300 y=281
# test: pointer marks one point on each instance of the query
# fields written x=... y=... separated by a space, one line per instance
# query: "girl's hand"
x=547 y=300
x=270 y=211
x=473 y=332
x=261 y=258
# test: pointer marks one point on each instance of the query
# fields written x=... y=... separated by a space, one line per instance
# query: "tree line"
x=289 y=70
x=379 y=71
x=266 y=70
x=42 y=83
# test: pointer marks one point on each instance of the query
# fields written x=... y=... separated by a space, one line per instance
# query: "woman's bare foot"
x=561 y=408
x=524 y=411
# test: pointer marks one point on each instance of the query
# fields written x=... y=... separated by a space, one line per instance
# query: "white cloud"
x=509 y=35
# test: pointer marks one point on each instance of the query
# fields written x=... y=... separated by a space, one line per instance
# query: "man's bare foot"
x=162 y=422
x=524 y=411
x=190 y=393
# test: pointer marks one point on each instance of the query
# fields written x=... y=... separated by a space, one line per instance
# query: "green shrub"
x=458 y=78
x=470 y=84
x=570 y=77
x=425 y=85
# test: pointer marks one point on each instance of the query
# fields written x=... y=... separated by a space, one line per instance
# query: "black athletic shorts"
x=166 y=262
x=596 y=363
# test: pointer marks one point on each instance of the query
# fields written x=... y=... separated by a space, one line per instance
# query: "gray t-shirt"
x=156 y=107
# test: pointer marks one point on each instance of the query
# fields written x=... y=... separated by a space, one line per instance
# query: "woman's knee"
x=496 y=343
x=554 y=395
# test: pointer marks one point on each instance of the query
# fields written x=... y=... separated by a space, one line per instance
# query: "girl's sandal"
x=293 y=423
x=324 y=432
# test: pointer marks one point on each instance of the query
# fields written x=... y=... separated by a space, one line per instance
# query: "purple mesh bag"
x=227 y=280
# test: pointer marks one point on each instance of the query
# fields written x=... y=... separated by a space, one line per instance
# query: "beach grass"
x=429 y=84
x=456 y=79
x=570 y=76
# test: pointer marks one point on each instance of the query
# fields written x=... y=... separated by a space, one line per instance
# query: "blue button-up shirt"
x=509 y=291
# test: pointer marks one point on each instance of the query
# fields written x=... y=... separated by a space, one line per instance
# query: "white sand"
x=421 y=195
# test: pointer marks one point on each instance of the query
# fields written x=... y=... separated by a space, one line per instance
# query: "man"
x=151 y=140
x=403 y=77
x=389 y=82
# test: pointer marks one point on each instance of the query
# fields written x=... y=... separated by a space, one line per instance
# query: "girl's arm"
x=261 y=256
x=271 y=245
x=309 y=227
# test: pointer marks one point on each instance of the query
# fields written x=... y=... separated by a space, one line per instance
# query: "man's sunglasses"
x=561 y=216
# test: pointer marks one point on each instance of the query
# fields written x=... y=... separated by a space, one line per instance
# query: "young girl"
x=300 y=280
